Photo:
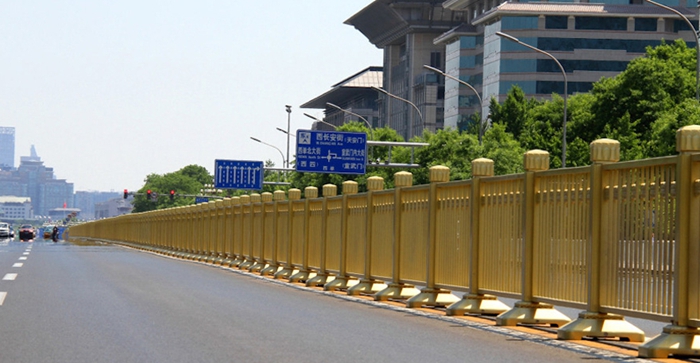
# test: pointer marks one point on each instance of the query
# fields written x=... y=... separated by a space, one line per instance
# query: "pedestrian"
x=54 y=234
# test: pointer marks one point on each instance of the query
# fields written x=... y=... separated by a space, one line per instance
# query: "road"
x=103 y=303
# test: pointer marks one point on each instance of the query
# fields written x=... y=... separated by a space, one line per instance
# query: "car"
x=47 y=231
x=27 y=232
x=4 y=230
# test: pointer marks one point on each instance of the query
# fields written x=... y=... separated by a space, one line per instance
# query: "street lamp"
x=400 y=99
x=270 y=145
x=697 y=44
x=481 y=104
x=289 y=118
x=566 y=82
x=285 y=132
x=321 y=121
x=371 y=131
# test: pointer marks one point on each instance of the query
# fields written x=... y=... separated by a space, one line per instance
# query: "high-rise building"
x=7 y=148
x=354 y=95
x=405 y=30
x=591 y=39
x=34 y=180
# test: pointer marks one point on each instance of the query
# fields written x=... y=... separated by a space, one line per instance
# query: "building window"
x=645 y=24
x=519 y=22
x=556 y=22
x=600 y=23
x=435 y=60
x=681 y=25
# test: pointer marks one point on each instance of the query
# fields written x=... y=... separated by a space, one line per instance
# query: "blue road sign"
x=238 y=174
x=198 y=200
x=331 y=152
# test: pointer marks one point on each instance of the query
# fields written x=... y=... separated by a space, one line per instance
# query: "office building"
x=87 y=202
x=112 y=208
x=353 y=94
x=15 y=208
x=590 y=39
x=34 y=180
x=405 y=30
x=7 y=148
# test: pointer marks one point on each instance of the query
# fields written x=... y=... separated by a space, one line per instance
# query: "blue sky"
x=111 y=91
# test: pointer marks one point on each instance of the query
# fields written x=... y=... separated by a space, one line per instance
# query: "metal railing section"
x=612 y=239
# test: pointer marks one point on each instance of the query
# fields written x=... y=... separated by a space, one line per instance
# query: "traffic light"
x=148 y=194
x=126 y=193
x=172 y=194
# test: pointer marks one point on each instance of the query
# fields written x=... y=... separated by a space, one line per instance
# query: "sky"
x=112 y=91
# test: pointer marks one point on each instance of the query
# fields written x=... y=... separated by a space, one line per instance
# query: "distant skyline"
x=109 y=92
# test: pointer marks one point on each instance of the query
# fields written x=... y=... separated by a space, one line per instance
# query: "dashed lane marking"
x=10 y=277
x=18 y=264
x=25 y=253
x=23 y=258
x=3 y=294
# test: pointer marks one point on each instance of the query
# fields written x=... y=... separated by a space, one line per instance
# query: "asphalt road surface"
x=100 y=303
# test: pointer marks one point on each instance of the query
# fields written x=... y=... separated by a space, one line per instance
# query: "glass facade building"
x=7 y=147
x=590 y=40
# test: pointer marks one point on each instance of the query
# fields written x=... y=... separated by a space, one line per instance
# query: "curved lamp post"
x=272 y=146
x=697 y=44
x=481 y=104
x=566 y=82
x=289 y=118
x=371 y=131
x=400 y=99
x=321 y=121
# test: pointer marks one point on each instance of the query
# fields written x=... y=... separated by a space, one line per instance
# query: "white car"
x=4 y=230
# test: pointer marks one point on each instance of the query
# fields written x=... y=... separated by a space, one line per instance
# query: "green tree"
x=186 y=181
x=628 y=105
x=513 y=112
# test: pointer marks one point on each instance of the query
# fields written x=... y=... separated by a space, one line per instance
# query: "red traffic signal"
x=126 y=193
x=148 y=194
x=172 y=194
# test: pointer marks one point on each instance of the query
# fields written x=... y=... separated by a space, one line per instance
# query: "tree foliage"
x=642 y=108
x=186 y=181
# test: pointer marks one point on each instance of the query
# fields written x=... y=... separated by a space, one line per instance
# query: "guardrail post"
x=305 y=273
x=288 y=270
x=343 y=281
x=430 y=295
x=321 y=278
x=228 y=235
x=593 y=322
x=219 y=241
x=527 y=311
x=243 y=200
x=367 y=285
x=260 y=264
x=396 y=289
x=473 y=301
x=236 y=234
x=679 y=338
x=250 y=260
x=274 y=265
x=199 y=231
x=211 y=232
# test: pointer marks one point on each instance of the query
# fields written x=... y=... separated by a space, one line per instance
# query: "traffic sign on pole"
x=331 y=152
x=238 y=174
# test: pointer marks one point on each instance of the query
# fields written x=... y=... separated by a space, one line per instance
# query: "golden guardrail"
x=613 y=239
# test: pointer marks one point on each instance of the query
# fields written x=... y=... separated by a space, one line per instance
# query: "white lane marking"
x=26 y=253
x=22 y=258
x=10 y=277
x=18 y=264
x=3 y=294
